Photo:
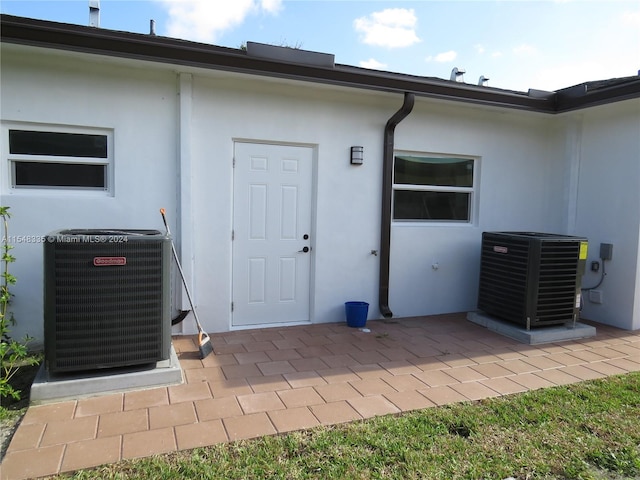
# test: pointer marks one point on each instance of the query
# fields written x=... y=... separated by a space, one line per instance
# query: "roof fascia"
x=92 y=40
x=166 y=50
x=581 y=96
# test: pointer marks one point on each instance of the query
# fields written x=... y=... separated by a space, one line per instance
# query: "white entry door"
x=271 y=233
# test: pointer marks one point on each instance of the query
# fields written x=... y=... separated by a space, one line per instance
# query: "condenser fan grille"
x=108 y=312
x=503 y=278
x=531 y=278
x=557 y=281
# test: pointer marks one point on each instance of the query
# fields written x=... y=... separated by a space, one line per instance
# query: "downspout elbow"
x=387 y=191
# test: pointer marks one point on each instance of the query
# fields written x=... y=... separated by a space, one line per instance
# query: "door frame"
x=313 y=230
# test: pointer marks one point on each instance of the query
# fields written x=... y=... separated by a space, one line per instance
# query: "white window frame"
x=9 y=160
x=472 y=191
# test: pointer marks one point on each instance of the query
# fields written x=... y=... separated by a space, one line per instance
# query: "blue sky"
x=517 y=44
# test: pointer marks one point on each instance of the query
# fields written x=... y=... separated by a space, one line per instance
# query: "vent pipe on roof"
x=457 y=74
x=482 y=81
x=387 y=190
x=152 y=27
x=94 y=13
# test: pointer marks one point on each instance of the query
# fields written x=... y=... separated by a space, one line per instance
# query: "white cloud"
x=392 y=28
x=525 y=49
x=271 y=6
x=496 y=54
x=479 y=48
x=562 y=76
x=373 y=63
x=631 y=19
x=566 y=75
x=445 y=57
x=207 y=20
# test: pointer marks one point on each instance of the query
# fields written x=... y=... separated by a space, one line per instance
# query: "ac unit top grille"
x=106 y=232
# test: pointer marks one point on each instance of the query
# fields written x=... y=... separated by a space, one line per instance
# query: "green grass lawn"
x=589 y=430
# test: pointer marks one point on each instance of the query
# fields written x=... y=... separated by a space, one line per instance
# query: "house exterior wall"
x=436 y=267
x=608 y=207
x=347 y=198
x=138 y=106
x=174 y=134
x=509 y=146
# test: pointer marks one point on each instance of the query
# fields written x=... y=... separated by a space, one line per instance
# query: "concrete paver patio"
x=268 y=381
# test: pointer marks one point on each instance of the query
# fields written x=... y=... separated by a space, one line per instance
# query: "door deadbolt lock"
x=305 y=236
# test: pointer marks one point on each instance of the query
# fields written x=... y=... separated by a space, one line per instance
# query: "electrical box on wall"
x=606 y=251
x=595 y=296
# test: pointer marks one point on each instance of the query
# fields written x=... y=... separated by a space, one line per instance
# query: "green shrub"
x=13 y=353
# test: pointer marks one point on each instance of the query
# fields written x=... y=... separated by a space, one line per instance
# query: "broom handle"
x=184 y=281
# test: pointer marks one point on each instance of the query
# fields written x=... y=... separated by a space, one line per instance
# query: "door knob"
x=304 y=250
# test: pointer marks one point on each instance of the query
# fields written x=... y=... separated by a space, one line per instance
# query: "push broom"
x=204 y=341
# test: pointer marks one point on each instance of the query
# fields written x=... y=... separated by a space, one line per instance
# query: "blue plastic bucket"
x=356 y=313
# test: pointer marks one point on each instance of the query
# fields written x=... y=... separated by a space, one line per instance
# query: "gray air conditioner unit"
x=532 y=279
x=106 y=299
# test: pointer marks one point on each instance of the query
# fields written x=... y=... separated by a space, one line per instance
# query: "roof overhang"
x=591 y=94
x=98 y=41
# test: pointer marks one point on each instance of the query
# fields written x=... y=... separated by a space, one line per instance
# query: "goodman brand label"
x=109 y=261
x=499 y=249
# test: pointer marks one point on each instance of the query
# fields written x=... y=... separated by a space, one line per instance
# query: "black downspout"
x=387 y=190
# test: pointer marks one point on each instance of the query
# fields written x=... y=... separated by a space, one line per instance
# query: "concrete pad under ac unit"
x=48 y=388
x=534 y=336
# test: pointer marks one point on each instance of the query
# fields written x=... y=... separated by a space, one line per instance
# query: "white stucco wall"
x=346 y=220
x=138 y=106
x=518 y=168
x=608 y=207
x=515 y=192
x=528 y=180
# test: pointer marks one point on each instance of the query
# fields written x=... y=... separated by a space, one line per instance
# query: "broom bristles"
x=204 y=344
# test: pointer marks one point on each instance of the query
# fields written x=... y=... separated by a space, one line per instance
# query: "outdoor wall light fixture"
x=357 y=155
